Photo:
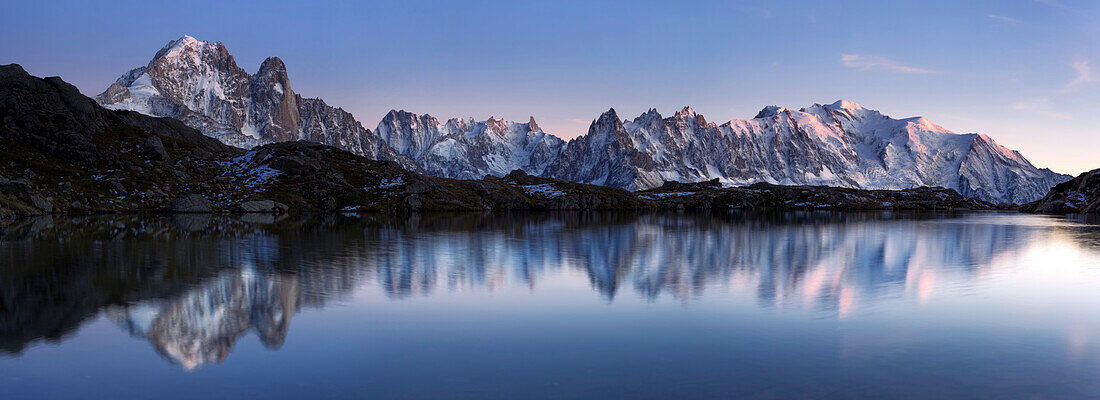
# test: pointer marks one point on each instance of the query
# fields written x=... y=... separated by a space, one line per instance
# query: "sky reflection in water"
x=552 y=305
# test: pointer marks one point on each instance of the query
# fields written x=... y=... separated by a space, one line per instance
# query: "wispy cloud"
x=1083 y=76
x=864 y=62
x=1005 y=19
x=1040 y=106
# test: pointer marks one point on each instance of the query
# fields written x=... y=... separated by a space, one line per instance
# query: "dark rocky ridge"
x=710 y=195
x=1078 y=195
x=60 y=152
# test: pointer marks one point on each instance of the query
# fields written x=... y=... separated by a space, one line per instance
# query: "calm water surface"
x=552 y=306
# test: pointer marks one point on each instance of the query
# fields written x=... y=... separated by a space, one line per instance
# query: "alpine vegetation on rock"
x=200 y=84
x=840 y=144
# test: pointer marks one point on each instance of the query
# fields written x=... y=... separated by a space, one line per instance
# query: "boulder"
x=190 y=203
x=20 y=189
x=117 y=187
x=262 y=206
x=413 y=202
x=154 y=149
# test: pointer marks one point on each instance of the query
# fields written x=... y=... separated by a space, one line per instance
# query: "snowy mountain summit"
x=200 y=84
x=839 y=144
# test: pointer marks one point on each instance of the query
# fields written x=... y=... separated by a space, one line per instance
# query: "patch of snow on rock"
x=544 y=190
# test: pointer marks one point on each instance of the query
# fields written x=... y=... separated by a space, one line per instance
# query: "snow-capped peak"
x=846 y=109
x=845 y=105
x=770 y=111
x=184 y=41
x=178 y=47
x=924 y=124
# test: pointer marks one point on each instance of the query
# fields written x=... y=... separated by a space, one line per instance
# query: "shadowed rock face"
x=1078 y=195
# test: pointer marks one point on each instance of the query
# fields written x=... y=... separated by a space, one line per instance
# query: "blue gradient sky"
x=1026 y=72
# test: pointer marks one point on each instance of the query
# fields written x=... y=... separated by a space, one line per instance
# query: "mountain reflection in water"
x=194 y=285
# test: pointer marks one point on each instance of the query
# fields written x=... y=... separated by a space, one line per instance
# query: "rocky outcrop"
x=154 y=149
x=705 y=196
x=17 y=196
x=673 y=186
x=1078 y=195
x=262 y=206
x=62 y=152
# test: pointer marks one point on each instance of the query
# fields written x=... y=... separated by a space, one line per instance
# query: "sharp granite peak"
x=839 y=144
x=201 y=84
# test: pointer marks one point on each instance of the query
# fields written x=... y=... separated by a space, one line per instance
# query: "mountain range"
x=839 y=144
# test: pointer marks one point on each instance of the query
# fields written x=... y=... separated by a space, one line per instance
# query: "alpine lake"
x=741 y=304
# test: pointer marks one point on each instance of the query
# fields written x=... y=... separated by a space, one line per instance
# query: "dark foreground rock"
x=263 y=206
x=191 y=203
x=709 y=195
x=1077 y=195
x=60 y=152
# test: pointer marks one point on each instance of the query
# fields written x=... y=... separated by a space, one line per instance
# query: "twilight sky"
x=1026 y=72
